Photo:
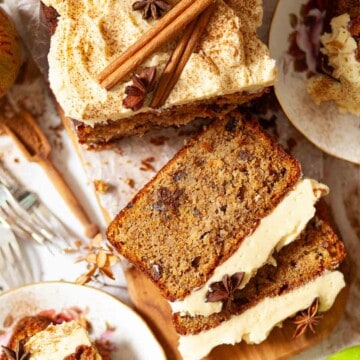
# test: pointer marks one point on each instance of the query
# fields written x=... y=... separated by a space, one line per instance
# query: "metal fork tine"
x=20 y=261
x=14 y=270
x=41 y=223
x=7 y=179
x=18 y=219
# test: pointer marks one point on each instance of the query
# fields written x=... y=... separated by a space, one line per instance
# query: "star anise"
x=151 y=8
x=142 y=85
x=307 y=319
x=19 y=354
x=224 y=290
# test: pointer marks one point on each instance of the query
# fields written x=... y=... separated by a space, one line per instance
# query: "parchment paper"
x=134 y=161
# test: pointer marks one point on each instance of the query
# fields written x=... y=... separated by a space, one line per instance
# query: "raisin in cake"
x=223 y=204
x=304 y=271
x=230 y=66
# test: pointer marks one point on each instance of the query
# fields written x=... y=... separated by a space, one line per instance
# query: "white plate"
x=334 y=133
x=131 y=335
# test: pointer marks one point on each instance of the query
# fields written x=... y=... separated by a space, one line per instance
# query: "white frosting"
x=340 y=47
x=90 y=34
x=276 y=230
x=57 y=341
x=255 y=324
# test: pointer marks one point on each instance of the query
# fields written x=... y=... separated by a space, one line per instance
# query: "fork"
x=14 y=270
x=28 y=216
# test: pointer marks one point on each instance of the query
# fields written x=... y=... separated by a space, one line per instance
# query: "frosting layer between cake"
x=254 y=325
x=282 y=226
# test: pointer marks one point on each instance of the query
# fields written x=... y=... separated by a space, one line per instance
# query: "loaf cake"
x=339 y=78
x=304 y=271
x=40 y=338
x=229 y=66
x=223 y=204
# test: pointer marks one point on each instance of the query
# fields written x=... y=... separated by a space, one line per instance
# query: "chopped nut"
x=101 y=186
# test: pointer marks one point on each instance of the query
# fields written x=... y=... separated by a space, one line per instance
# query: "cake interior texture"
x=198 y=209
x=229 y=66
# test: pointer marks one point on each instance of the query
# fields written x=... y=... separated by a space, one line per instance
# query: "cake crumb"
x=146 y=164
x=159 y=140
x=130 y=182
x=101 y=186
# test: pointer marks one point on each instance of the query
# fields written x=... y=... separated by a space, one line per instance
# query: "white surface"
x=336 y=134
x=131 y=335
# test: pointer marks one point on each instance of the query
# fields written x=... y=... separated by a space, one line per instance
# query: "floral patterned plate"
x=334 y=133
x=113 y=323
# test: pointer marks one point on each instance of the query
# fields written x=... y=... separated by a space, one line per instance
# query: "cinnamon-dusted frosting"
x=90 y=34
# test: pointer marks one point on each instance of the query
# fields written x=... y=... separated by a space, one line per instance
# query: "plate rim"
x=90 y=288
x=326 y=150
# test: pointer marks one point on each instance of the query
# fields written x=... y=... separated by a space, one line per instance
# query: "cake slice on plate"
x=41 y=339
x=229 y=66
x=339 y=80
x=304 y=278
x=222 y=205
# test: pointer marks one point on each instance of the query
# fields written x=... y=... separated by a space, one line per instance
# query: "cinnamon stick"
x=165 y=30
x=179 y=58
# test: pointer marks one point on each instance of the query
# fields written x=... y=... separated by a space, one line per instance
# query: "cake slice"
x=339 y=80
x=304 y=271
x=41 y=339
x=66 y=341
x=229 y=66
x=223 y=204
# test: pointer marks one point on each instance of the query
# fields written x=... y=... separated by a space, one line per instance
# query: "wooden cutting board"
x=157 y=313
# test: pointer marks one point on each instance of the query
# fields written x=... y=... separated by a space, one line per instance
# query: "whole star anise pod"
x=307 y=319
x=224 y=290
x=151 y=8
x=19 y=354
x=142 y=85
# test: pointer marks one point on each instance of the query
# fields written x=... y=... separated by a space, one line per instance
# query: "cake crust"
x=195 y=213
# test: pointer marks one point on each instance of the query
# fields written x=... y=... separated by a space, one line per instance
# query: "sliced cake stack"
x=228 y=204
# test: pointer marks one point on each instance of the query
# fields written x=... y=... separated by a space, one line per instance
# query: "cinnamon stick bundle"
x=165 y=30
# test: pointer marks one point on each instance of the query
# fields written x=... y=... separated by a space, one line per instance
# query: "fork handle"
x=71 y=200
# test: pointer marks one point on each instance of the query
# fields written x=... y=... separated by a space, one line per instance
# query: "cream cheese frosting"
x=276 y=230
x=340 y=48
x=90 y=34
x=58 y=341
x=255 y=324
